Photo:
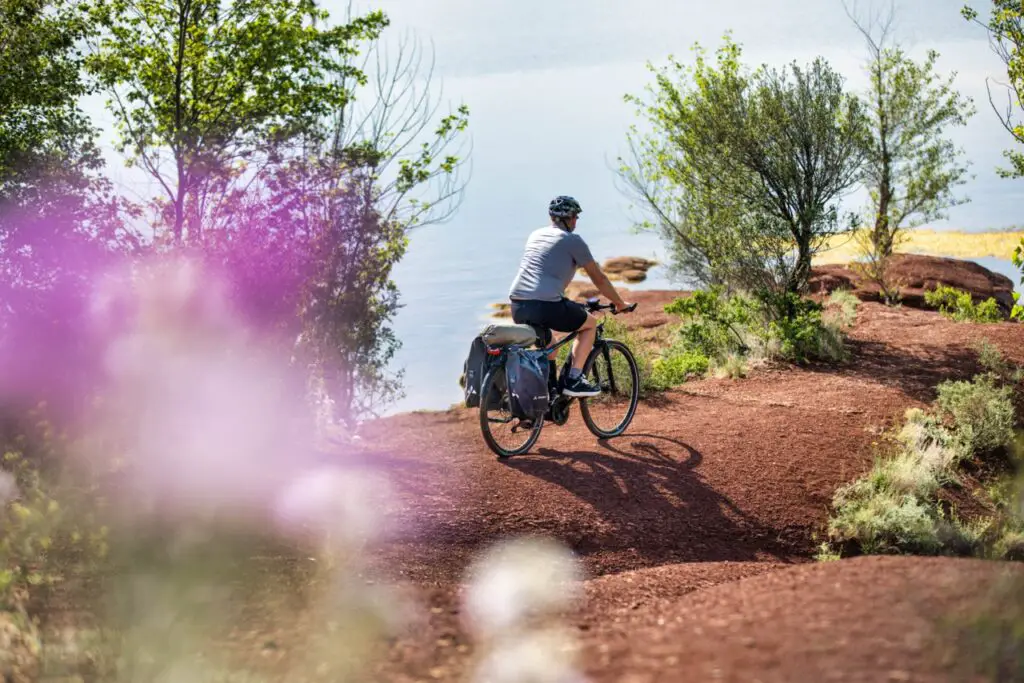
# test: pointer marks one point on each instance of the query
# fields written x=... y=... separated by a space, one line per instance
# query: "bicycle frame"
x=497 y=353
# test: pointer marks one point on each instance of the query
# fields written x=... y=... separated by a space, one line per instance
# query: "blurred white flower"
x=342 y=504
x=8 y=487
x=517 y=578
x=538 y=657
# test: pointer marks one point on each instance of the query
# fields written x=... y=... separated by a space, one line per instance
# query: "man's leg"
x=584 y=343
x=575 y=383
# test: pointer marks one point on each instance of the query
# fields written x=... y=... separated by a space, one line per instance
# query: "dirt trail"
x=718 y=481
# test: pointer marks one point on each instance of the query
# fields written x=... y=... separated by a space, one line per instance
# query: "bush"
x=958 y=305
x=894 y=507
x=733 y=366
x=46 y=531
x=842 y=307
x=802 y=335
x=786 y=326
x=677 y=366
x=982 y=413
x=714 y=324
x=880 y=518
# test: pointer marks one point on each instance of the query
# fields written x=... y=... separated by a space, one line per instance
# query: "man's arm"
x=603 y=284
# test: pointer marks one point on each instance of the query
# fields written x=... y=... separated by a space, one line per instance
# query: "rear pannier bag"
x=473 y=371
x=527 y=375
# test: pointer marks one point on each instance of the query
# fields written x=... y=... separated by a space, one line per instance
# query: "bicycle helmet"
x=564 y=206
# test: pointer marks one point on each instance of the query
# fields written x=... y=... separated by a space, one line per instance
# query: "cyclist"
x=553 y=254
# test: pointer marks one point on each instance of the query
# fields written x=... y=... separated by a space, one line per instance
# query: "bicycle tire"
x=611 y=345
x=485 y=424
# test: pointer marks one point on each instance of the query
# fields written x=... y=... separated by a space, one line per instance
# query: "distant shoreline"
x=993 y=243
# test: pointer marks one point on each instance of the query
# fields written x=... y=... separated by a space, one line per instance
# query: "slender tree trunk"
x=802 y=272
x=883 y=237
x=179 y=209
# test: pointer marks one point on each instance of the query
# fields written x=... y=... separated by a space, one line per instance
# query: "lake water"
x=545 y=79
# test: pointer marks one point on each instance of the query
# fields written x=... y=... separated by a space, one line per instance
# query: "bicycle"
x=609 y=365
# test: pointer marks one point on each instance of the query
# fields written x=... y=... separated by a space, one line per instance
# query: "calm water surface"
x=545 y=81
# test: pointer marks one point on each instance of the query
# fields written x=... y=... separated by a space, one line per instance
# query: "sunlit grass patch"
x=952 y=243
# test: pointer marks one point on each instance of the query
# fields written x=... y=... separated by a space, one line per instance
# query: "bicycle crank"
x=559 y=410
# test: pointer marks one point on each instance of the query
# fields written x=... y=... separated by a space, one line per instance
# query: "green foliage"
x=46 y=531
x=1018 y=260
x=713 y=324
x=741 y=171
x=1005 y=26
x=210 y=88
x=958 y=305
x=726 y=329
x=841 y=307
x=827 y=554
x=911 y=167
x=733 y=366
x=881 y=518
x=43 y=134
x=894 y=508
x=981 y=411
x=676 y=366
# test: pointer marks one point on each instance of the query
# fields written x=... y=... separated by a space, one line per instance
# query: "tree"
x=312 y=241
x=384 y=130
x=201 y=91
x=310 y=257
x=1005 y=27
x=743 y=172
x=58 y=219
x=43 y=134
x=911 y=167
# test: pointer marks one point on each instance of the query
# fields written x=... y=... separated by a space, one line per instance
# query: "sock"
x=574 y=373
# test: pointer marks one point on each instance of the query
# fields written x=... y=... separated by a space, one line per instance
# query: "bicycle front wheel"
x=504 y=433
x=612 y=367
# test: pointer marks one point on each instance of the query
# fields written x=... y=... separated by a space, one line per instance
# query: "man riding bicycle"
x=553 y=254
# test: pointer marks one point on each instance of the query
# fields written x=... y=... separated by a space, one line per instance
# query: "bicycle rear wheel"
x=612 y=367
x=503 y=432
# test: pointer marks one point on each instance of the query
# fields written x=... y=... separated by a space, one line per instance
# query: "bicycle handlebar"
x=594 y=305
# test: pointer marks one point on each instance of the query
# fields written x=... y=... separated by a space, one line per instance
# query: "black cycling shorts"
x=561 y=316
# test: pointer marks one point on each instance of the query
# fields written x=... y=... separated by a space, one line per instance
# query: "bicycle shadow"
x=646 y=488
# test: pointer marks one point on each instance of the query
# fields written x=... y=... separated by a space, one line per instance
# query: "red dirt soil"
x=713 y=482
x=695 y=529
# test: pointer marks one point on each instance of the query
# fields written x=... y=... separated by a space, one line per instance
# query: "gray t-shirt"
x=549 y=263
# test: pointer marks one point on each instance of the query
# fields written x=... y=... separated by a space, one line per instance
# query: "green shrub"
x=785 y=326
x=805 y=336
x=47 y=531
x=714 y=324
x=992 y=359
x=842 y=307
x=733 y=366
x=677 y=366
x=958 y=305
x=881 y=518
x=982 y=413
x=894 y=507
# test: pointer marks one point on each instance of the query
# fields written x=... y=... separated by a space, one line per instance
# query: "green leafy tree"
x=202 y=91
x=47 y=146
x=743 y=172
x=911 y=167
x=58 y=218
x=318 y=233
x=1005 y=27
